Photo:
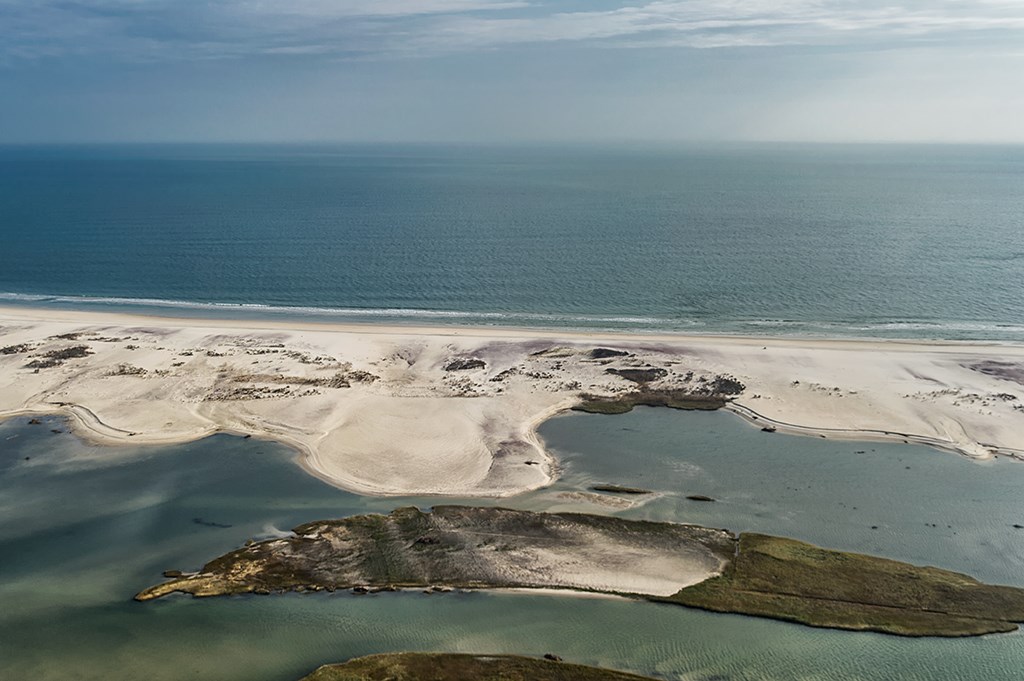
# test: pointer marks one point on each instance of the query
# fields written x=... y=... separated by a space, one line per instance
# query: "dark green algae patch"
x=459 y=667
x=481 y=548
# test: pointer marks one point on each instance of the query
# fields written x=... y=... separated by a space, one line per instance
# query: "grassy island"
x=481 y=548
x=790 y=580
x=455 y=667
x=471 y=548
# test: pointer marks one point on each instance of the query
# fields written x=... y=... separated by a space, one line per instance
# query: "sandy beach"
x=413 y=410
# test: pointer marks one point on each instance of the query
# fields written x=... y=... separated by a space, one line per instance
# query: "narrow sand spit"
x=400 y=410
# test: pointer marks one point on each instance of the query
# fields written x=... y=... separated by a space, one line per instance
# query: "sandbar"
x=397 y=410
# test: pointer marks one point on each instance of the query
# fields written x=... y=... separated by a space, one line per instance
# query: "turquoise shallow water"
x=874 y=240
x=82 y=528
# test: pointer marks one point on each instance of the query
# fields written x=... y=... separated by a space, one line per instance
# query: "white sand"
x=608 y=565
x=418 y=428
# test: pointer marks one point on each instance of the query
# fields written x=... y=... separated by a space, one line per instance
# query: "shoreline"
x=852 y=435
x=113 y=317
x=389 y=410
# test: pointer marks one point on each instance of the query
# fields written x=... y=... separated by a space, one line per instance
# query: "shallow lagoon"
x=82 y=528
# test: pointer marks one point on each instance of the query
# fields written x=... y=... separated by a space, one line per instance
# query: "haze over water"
x=875 y=240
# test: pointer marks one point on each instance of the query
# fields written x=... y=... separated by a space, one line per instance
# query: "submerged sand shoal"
x=413 y=410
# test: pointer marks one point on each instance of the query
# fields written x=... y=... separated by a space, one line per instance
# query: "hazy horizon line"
x=511 y=143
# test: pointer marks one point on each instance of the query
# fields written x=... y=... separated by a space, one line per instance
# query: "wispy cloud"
x=731 y=22
x=320 y=9
x=166 y=29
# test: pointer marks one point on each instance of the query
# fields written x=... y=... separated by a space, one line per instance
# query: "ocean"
x=825 y=240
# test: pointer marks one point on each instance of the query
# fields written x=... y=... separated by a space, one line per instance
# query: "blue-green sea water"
x=873 y=240
x=82 y=528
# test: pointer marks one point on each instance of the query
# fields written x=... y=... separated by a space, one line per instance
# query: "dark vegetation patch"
x=465 y=364
x=55 y=358
x=504 y=375
x=15 y=349
x=258 y=386
x=605 y=353
x=73 y=336
x=127 y=370
x=554 y=351
x=673 y=399
x=459 y=667
x=619 y=489
x=209 y=523
x=341 y=379
x=723 y=385
x=249 y=392
x=790 y=580
x=1007 y=371
x=704 y=393
x=639 y=375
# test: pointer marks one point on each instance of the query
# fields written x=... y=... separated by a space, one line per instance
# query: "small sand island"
x=455 y=667
x=494 y=548
x=454 y=411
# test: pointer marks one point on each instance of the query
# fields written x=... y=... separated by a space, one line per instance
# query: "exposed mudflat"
x=456 y=546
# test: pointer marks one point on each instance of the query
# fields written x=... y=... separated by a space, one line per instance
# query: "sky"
x=511 y=70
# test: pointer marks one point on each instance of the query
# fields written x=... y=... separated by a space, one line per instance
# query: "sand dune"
x=398 y=410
